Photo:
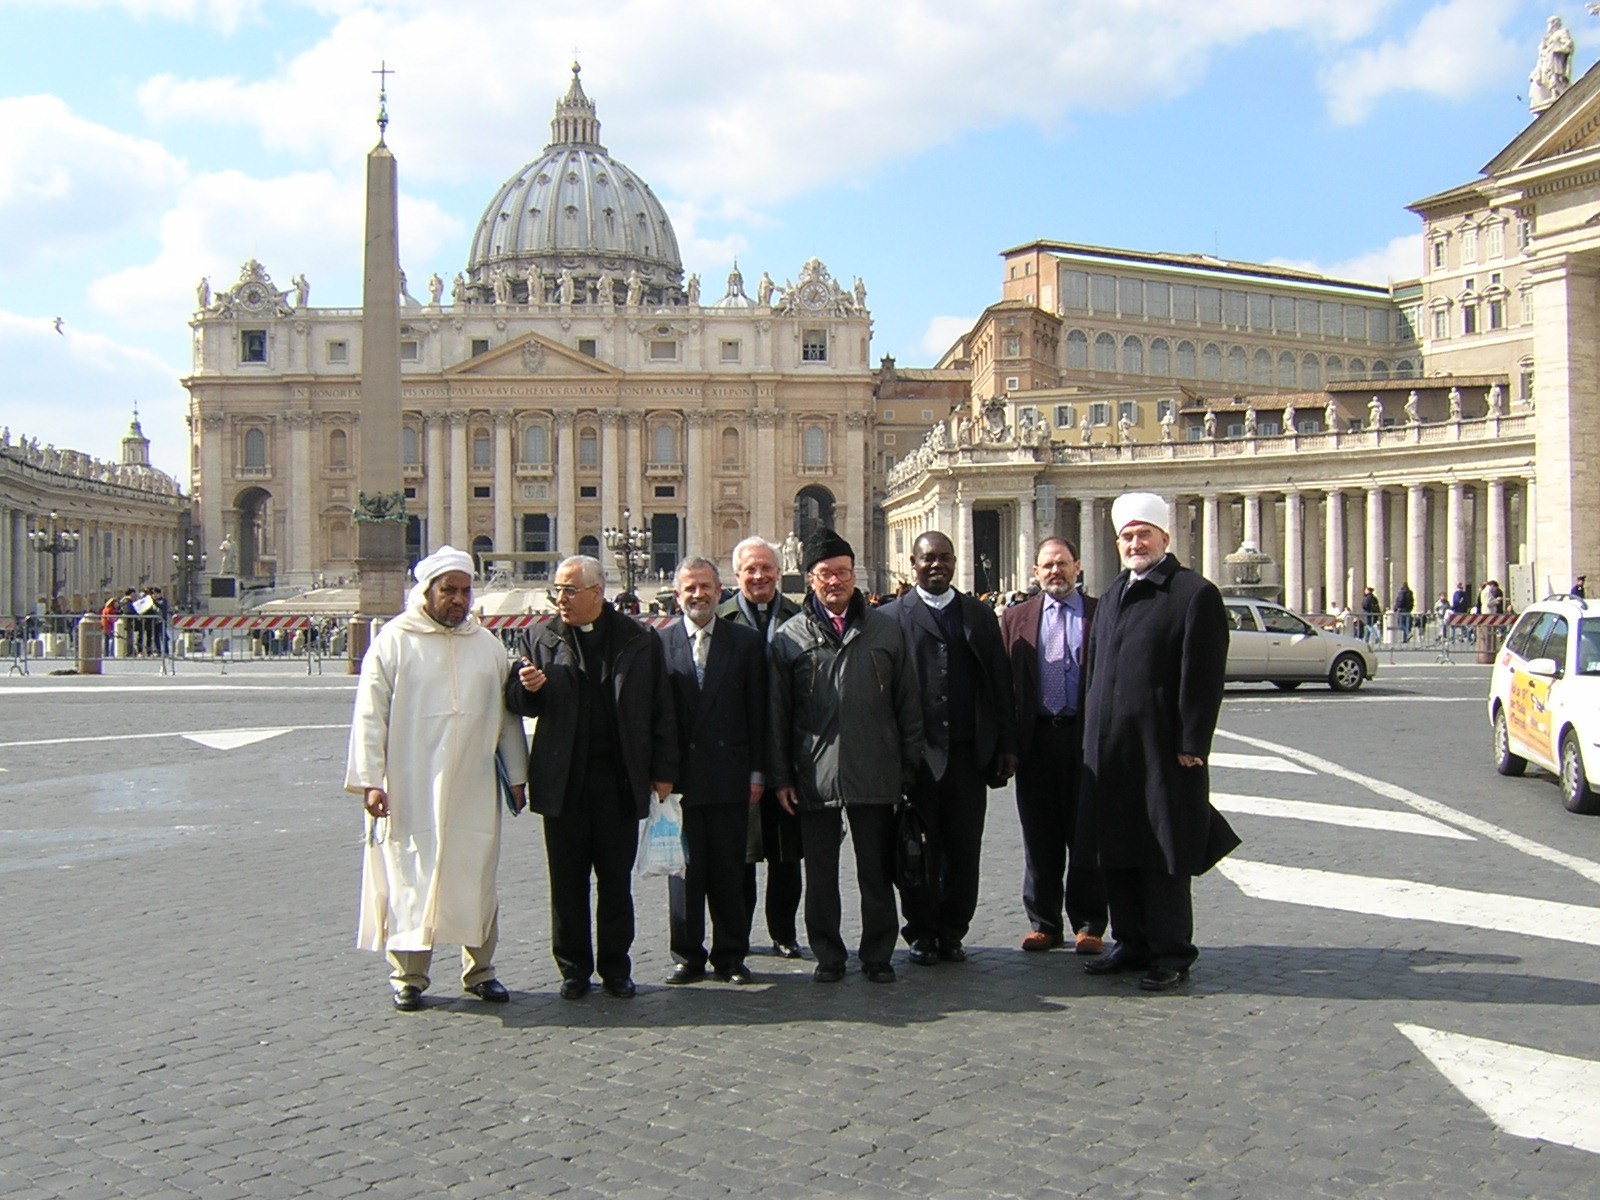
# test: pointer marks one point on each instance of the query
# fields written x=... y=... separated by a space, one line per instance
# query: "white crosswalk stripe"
x=1257 y=762
x=1336 y=814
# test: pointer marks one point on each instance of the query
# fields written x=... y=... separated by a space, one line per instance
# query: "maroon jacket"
x=1019 y=629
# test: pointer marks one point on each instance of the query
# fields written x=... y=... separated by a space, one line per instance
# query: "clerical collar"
x=589 y=628
x=940 y=602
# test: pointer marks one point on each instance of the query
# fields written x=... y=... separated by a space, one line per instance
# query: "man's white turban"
x=1140 y=506
x=445 y=558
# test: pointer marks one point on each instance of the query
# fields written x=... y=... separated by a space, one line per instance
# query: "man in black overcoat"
x=1157 y=652
x=605 y=740
x=718 y=674
x=1045 y=637
x=774 y=834
x=969 y=732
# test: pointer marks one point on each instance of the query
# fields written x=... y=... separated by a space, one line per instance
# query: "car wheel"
x=1505 y=762
x=1575 y=791
x=1347 y=673
x=1286 y=685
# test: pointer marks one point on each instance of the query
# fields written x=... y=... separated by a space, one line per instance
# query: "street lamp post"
x=186 y=564
x=631 y=548
x=55 y=542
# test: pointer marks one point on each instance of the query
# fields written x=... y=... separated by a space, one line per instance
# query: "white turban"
x=445 y=558
x=1140 y=506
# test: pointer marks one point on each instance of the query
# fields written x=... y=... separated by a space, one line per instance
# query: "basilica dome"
x=573 y=221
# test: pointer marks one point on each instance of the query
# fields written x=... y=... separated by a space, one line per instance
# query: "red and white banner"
x=1481 y=620
x=218 y=624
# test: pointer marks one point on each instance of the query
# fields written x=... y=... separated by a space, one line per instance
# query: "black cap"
x=825 y=543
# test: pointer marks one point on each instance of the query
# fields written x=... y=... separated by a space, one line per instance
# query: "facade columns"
x=1495 y=533
x=1294 y=588
x=1455 y=519
x=1210 y=536
x=1025 y=539
x=766 y=508
x=459 y=536
x=566 y=540
x=19 y=598
x=1252 y=519
x=504 y=483
x=966 y=564
x=857 y=479
x=213 y=507
x=434 y=433
x=610 y=480
x=632 y=466
x=295 y=568
x=1417 y=546
x=1377 y=556
x=697 y=480
x=1333 y=569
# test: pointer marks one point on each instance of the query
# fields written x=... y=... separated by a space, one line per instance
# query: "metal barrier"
x=240 y=639
x=1490 y=631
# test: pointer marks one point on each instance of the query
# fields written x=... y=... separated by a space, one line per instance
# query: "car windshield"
x=1589 y=646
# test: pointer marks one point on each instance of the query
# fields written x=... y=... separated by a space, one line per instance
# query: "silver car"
x=1268 y=642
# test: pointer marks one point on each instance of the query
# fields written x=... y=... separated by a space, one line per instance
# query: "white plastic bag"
x=661 y=848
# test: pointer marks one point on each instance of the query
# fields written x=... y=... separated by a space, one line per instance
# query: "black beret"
x=825 y=543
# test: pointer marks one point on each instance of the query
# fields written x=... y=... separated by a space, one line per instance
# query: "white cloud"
x=76 y=390
x=1399 y=260
x=942 y=333
x=67 y=183
x=310 y=222
x=1448 y=54
x=223 y=15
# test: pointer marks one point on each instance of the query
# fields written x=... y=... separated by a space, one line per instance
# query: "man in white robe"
x=428 y=722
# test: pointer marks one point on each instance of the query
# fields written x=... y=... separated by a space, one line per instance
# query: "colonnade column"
x=434 y=432
x=566 y=541
x=697 y=480
x=459 y=537
x=1455 y=554
x=1294 y=587
x=1377 y=545
x=1333 y=564
x=1025 y=540
x=213 y=506
x=1252 y=519
x=1495 y=535
x=965 y=564
x=19 y=564
x=855 y=472
x=1417 y=545
x=504 y=536
x=297 y=555
x=610 y=471
x=766 y=508
x=1210 y=536
x=633 y=465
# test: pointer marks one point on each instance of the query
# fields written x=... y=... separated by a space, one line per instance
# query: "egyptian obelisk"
x=380 y=512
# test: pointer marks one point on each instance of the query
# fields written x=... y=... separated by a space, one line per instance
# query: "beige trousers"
x=410 y=967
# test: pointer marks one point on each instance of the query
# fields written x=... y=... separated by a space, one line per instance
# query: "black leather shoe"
x=828 y=973
x=683 y=973
x=1114 y=963
x=739 y=974
x=878 y=972
x=408 y=998
x=491 y=990
x=952 y=952
x=924 y=952
x=574 y=989
x=786 y=949
x=622 y=989
x=1163 y=979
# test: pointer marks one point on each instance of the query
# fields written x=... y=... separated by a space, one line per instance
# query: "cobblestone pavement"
x=186 y=1015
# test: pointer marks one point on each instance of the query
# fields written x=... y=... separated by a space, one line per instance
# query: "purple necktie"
x=1053 y=683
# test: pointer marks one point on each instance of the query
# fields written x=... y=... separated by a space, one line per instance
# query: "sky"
x=147 y=143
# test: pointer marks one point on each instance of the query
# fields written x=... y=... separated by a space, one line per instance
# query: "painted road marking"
x=1411 y=901
x=1337 y=814
x=1257 y=762
x=1525 y=1092
x=192 y=735
x=22 y=691
x=232 y=739
x=1585 y=867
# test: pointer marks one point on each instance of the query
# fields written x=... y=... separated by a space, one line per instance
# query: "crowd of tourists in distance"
x=779 y=726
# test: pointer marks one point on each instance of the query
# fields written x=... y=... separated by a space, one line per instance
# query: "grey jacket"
x=846 y=721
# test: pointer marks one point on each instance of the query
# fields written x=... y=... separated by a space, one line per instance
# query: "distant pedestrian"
x=1578 y=586
x=1405 y=603
x=1371 y=616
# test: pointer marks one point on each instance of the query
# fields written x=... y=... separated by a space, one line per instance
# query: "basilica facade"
x=572 y=382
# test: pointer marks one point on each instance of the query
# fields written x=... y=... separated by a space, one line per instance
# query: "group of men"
x=781 y=725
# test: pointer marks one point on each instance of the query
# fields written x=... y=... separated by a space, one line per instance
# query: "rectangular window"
x=1158 y=300
x=480 y=492
x=338 y=352
x=588 y=491
x=888 y=414
x=1407 y=322
x=1438 y=254
x=1524 y=233
x=1128 y=411
x=1165 y=409
x=663 y=350
x=1130 y=296
x=1332 y=320
x=888 y=439
x=1525 y=383
x=1012 y=383
x=1260 y=311
x=1305 y=313
x=665 y=491
x=411 y=493
x=1441 y=324
x=1283 y=314
x=1210 y=302
x=1011 y=346
x=1527 y=305
x=1183 y=308
x=480 y=346
x=1099 y=414
x=1378 y=326
x=814 y=345
x=1234 y=429
x=1469 y=318
x=587 y=347
x=1103 y=293
x=1269 y=429
x=1495 y=240
x=1497 y=314
x=1469 y=245
x=1063 y=416
x=730 y=351
x=1355 y=322
x=1075 y=289
x=1235 y=309
x=253 y=345
x=409 y=351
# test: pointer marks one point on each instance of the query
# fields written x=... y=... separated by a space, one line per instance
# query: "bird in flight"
x=60 y=321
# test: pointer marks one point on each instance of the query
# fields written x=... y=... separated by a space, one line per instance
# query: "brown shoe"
x=1039 y=940
x=1087 y=943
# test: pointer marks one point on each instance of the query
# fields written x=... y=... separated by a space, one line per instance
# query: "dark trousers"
x=596 y=833
x=1047 y=805
x=783 y=899
x=872 y=828
x=715 y=836
x=953 y=809
x=1152 y=914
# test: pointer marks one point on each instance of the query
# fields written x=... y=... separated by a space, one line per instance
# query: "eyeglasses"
x=839 y=576
x=565 y=591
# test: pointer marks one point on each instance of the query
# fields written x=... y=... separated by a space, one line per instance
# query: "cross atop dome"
x=575 y=122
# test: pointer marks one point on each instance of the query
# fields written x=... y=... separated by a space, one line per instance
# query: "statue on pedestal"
x=1455 y=404
x=227 y=557
x=1552 y=72
x=435 y=290
x=791 y=554
x=1413 y=413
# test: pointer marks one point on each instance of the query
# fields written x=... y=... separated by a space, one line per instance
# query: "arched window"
x=536 y=445
x=338 y=540
x=481 y=546
x=588 y=449
x=1237 y=366
x=813 y=508
x=1358 y=369
x=1261 y=368
x=1380 y=369
x=1310 y=372
x=410 y=446
x=338 y=448
x=1334 y=366
x=589 y=545
x=664 y=446
x=814 y=446
x=1211 y=361
x=1132 y=356
x=1077 y=350
x=730 y=447
x=1186 y=360
x=1160 y=357
x=1404 y=369
x=1286 y=369
x=482 y=449
x=255 y=448
x=1105 y=353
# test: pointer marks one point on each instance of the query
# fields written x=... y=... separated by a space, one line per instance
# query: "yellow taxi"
x=1544 y=698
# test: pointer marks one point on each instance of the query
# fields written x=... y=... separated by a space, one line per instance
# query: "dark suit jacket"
x=1019 y=626
x=721 y=723
x=729 y=610
x=775 y=834
x=995 y=727
x=645 y=725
